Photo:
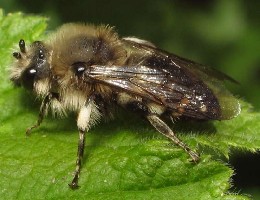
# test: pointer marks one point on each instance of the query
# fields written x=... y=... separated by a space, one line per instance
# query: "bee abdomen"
x=139 y=105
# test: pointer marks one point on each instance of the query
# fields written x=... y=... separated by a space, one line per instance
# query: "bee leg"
x=42 y=113
x=83 y=126
x=81 y=143
x=163 y=128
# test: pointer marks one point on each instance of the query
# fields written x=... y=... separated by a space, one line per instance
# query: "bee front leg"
x=83 y=126
x=163 y=128
x=42 y=113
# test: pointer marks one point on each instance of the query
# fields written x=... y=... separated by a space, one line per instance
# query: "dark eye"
x=28 y=76
x=79 y=68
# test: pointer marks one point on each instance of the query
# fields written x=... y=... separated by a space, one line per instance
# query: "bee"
x=86 y=69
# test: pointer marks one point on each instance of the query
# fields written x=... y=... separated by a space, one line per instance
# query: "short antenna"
x=22 y=45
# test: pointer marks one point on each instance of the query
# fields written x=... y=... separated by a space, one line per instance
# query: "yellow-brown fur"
x=64 y=49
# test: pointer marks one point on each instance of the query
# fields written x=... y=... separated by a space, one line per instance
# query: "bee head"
x=32 y=67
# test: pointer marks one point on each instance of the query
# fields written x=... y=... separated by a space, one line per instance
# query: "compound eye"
x=79 y=68
x=28 y=77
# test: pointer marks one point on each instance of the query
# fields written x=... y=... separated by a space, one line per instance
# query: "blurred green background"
x=223 y=34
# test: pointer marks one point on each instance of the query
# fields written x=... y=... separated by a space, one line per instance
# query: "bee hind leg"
x=164 y=129
x=42 y=113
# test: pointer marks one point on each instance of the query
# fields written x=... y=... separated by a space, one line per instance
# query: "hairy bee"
x=86 y=68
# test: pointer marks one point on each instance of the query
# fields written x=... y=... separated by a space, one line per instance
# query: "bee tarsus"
x=81 y=143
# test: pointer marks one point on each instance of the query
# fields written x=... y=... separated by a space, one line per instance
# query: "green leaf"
x=124 y=159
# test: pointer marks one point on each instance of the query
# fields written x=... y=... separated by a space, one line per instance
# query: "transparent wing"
x=161 y=86
x=146 y=82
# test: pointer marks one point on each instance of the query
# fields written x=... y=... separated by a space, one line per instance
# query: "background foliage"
x=222 y=34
